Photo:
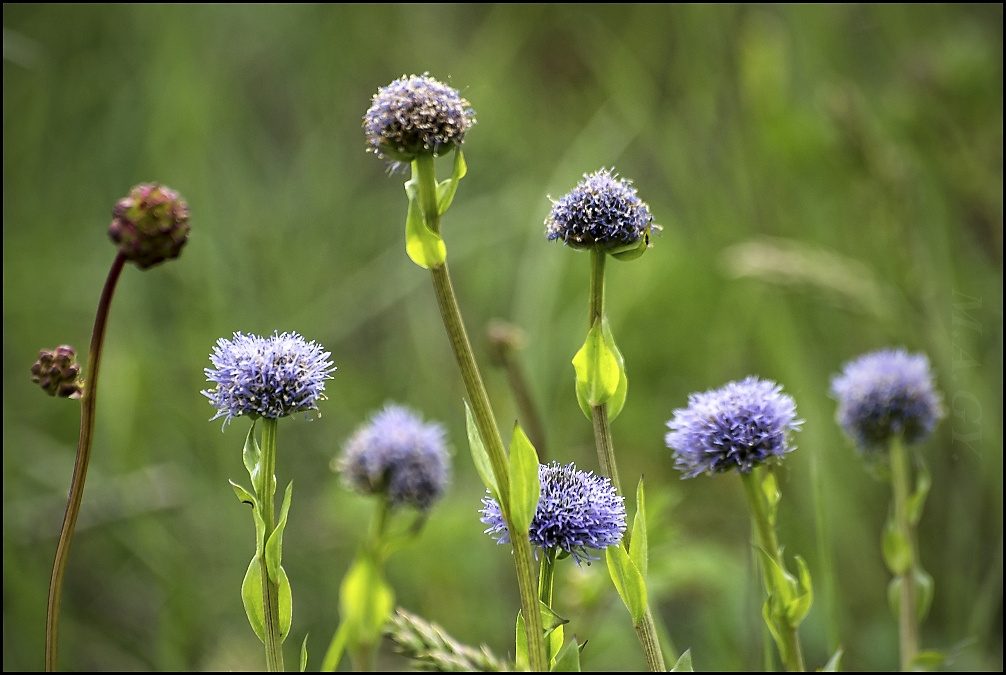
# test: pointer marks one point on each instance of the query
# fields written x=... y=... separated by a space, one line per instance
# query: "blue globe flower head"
x=270 y=377
x=415 y=115
x=739 y=426
x=887 y=393
x=397 y=455
x=602 y=211
x=577 y=511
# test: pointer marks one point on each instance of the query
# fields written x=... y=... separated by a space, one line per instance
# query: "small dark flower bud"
x=57 y=372
x=150 y=225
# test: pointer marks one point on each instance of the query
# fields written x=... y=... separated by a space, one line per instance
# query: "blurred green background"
x=829 y=180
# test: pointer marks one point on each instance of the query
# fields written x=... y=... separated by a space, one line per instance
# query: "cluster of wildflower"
x=887 y=393
x=577 y=511
x=738 y=426
x=57 y=372
x=150 y=225
x=397 y=455
x=269 y=377
x=603 y=211
x=414 y=115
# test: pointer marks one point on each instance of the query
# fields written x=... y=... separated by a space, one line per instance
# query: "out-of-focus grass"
x=829 y=180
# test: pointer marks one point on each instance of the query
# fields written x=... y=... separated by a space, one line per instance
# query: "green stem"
x=270 y=588
x=646 y=630
x=907 y=616
x=364 y=654
x=788 y=641
x=546 y=576
x=88 y=405
x=423 y=167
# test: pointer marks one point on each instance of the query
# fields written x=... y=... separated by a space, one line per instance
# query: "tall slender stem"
x=646 y=630
x=908 y=637
x=88 y=405
x=270 y=588
x=788 y=641
x=423 y=167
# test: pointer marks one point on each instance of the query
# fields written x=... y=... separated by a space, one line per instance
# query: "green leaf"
x=684 y=663
x=597 y=371
x=425 y=247
x=929 y=660
x=525 y=488
x=365 y=601
x=303 y=655
x=244 y=496
x=251 y=596
x=628 y=582
x=834 y=663
x=446 y=189
x=617 y=400
x=772 y=622
x=553 y=643
x=897 y=553
x=251 y=455
x=550 y=621
x=894 y=595
x=274 y=547
x=784 y=586
x=638 y=549
x=924 y=587
x=797 y=609
x=568 y=658
x=632 y=251
x=521 y=659
x=770 y=490
x=552 y=630
x=285 y=605
x=479 y=455
x=917 y=501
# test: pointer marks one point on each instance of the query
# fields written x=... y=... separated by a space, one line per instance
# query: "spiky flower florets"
x=415 y=115
x=886 y=393
x=57 y=372
x=270 y=377
x=738 y=426
x=397 y=455
x=603 y=211
x=150 y=225
x=577 y=511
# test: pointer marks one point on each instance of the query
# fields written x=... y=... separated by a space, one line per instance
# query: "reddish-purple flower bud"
x=150 y=225
x=57 y=372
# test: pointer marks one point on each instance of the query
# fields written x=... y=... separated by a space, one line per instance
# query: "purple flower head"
x=270 y=377
x=603 y=211
x=416 y=115
x=150 y=225
x=738 y=426
x=397 y=455
x=886 y=393
x=576 y=511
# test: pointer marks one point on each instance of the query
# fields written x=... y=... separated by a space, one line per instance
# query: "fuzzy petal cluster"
x=577 y=511
x=415 y=115
x=738 y=426
x=150 y=225
x=399 y=456
x=270 y=377
x=602 y=211
x=886 y=393
x=58 y=372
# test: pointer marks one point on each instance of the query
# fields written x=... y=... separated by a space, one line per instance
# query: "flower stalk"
x=424 y=172
x=646 y=630
x=783 y=630
x=908 y=616
x=270 y=588
x=88 y=403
